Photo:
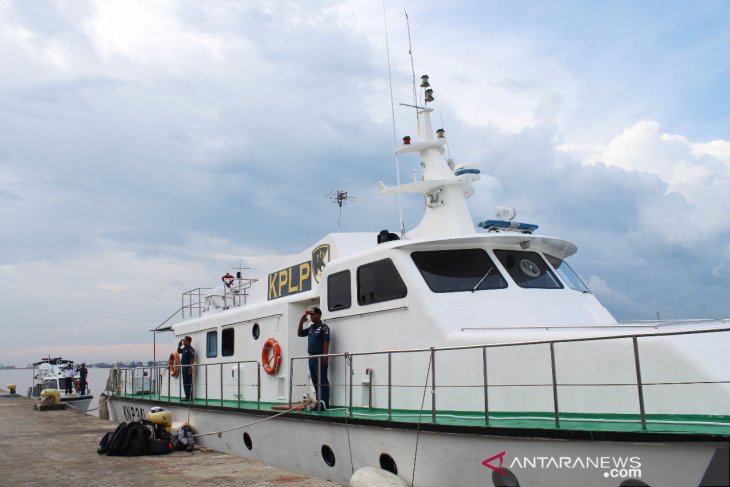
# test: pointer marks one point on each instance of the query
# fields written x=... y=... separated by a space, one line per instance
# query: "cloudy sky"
x=147 y=147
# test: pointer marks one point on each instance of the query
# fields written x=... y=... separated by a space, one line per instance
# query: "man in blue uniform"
x=187 y=360
x=83 y=373
x=318 y=344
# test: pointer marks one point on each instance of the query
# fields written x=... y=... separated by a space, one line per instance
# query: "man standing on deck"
x=69 y=375
x=318 y=344
x=83 y=373
x=187 y=360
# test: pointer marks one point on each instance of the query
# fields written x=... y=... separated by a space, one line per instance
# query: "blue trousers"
x=316 y=377
x=187 y=379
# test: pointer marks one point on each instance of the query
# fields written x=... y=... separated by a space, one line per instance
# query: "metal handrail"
x=349 y=358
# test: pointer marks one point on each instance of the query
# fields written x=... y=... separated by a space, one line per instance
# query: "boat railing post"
x=258 y=385
x=179 y=381
x=125 y=381
x=319 y=381
x=291 y=383
x=486 y=382
x=390 y=385
x=639 y=383
x=238 y=379
x=205 y=379
x=348 y=361
x=555 y=385
x=221 y=383
x=169 y=389
x=433 y=384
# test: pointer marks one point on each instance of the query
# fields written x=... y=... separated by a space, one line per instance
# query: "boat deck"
x=618 y=423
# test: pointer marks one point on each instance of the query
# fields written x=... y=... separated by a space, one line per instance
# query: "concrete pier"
x=42 y=448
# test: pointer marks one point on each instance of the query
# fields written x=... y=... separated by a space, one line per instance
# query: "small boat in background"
x=49 y=373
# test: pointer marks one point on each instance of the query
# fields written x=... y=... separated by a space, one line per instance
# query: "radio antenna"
x=413 y=69
x=340 y=198
x=395 y=137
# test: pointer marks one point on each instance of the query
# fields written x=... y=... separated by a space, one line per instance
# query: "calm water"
x=23 y=379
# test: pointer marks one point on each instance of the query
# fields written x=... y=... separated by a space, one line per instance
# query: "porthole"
x=256 y=331
x=328 y=455
x=387 y=463
x=506 y=479
x=248 y=441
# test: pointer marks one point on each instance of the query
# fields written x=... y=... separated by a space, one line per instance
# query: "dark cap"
x=316 y=310
x=188 y=338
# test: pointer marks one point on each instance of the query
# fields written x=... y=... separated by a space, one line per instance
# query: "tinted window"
x=528 y=269
x=227 y=342
x=567 y=274
x=211 y=344
x=448 y=271
x=338 y=291
x=378 y=282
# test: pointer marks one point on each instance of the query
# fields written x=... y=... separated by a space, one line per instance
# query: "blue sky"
x=148 y=147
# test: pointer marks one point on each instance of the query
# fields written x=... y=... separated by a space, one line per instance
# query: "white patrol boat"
x=51 y=373
x=461 y=354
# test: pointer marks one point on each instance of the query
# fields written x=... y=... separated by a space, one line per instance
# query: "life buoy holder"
x=269 y=368
x=174 y=364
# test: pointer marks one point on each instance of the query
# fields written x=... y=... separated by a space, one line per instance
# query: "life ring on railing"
x=174 y=364
x=270 y=368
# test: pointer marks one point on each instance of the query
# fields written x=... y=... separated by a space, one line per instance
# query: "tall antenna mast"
x=395 y=137
x=413 y=69
x=340 y=198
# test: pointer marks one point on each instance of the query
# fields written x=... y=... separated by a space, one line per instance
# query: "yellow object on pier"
x=50 y=396
x=163 y=418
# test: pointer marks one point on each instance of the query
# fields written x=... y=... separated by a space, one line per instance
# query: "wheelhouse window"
x=447 y=271
x=227 y=341
x=528 y=269
x=338 y=291
x=211 y=344
x=379 y=281
x=567 y=274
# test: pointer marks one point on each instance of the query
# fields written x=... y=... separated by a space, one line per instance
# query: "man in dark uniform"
x=187 y=360
x=83 y=373
x=318 y=344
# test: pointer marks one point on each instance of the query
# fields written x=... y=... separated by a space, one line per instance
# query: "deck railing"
x=128 y=384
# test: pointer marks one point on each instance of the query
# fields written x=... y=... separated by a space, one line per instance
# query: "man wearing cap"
x=318 y=343
x=187 y=361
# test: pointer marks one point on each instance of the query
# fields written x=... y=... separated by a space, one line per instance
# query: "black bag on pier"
x=129 y=440
x=137 y=441
x=159 y=447
x=113 y=441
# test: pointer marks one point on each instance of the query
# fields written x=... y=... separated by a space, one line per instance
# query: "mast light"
x=424 y=81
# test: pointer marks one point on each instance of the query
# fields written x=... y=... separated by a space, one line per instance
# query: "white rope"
x=245 y=425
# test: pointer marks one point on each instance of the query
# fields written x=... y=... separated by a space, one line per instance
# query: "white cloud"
x=694 y=172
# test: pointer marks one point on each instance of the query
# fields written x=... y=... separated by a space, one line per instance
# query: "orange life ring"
x=270 y=368
x=174 y=364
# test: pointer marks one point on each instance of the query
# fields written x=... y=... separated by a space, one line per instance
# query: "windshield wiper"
x=482 y=279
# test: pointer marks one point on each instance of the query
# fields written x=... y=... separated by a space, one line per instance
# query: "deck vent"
x=386 y=236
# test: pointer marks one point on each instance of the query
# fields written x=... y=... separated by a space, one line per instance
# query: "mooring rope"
x=418 y=428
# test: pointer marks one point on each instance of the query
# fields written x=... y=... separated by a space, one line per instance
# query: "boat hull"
x=445 y=455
